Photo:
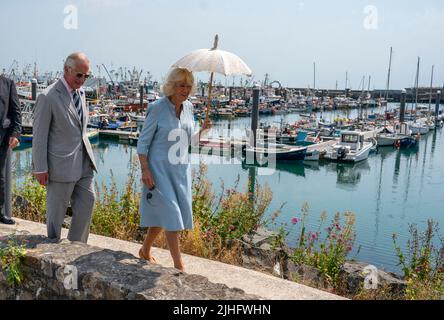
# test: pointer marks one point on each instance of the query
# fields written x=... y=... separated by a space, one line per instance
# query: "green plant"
x=117 y=215
x=10 y=258
x=35 y=195
x=327 y=253
x=278 y=238
x=422 y=262
x=231 y=217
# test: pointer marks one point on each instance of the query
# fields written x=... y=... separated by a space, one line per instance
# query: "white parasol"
x=213 y=60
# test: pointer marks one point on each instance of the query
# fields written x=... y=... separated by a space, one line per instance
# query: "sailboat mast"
x=416 y=84
x=430 y=94
x=388 y=79
x=314 y=75
x=363 y=85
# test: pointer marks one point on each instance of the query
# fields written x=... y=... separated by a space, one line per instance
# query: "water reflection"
x=348 y=174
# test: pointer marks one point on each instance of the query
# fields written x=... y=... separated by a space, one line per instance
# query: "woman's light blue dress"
x=169 y=205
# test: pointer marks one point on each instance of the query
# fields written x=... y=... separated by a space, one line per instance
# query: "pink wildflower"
x=294 y=220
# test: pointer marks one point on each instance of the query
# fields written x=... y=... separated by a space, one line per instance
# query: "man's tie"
x=77 y=104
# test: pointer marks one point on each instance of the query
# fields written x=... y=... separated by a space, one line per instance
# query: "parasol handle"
x=210 y=87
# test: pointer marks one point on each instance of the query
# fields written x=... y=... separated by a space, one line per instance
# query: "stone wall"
x=72 y=270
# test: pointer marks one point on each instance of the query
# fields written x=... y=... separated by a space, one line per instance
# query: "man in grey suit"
x=10 y=129
x=62 y=156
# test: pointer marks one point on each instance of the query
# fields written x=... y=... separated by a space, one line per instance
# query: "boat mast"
x=416 y=84
x=314 y=75
x=430 y=95
x=363 y=86
x=388 y=80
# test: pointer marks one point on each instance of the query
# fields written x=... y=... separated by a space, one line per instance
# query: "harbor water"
x=387 y=192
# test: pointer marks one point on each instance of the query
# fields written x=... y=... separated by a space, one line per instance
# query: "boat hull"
x=288 y=155
x=335 y=154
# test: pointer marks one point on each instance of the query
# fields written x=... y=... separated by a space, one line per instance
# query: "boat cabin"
x=403 y=128
x=352 y=139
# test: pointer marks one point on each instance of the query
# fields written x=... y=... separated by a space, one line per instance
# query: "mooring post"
x=34 y=89
x=255 y=113
x=438 y=100
x=402 y=107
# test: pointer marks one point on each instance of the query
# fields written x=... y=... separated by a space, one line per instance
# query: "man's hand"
x=13 y=142
x=42 y=178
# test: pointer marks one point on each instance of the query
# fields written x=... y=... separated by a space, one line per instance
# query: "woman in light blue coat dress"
x=166 y=174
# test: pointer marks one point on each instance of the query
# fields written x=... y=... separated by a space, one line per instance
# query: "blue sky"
x=282 y=38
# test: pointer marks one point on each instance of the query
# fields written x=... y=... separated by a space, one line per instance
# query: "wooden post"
x=255 y=113
x=141 y=96
x=402 y=108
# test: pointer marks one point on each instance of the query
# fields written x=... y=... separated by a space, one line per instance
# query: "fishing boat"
x=280 y=152
x=133 y=138
x=419 y=127
x=388 y=138
x=139 y=119
x=312 y=155
x=92 y=134
x=26 y=138
x=351 y=147
x=407 y=140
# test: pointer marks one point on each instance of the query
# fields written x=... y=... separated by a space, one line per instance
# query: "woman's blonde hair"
x=174 y=76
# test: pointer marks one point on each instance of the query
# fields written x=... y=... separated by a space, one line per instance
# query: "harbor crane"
x=248 y=81
x=12 y=67
x=112 y=81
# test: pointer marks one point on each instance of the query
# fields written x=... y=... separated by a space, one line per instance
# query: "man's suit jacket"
x=59 y=140
x=9 y=100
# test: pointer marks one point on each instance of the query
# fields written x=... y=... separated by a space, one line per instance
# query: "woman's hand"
x=204 y=127
x=147 y=179
x=207 y=124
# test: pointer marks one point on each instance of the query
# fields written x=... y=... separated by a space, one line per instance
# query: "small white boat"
x=351 y=147
x=419 y=127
